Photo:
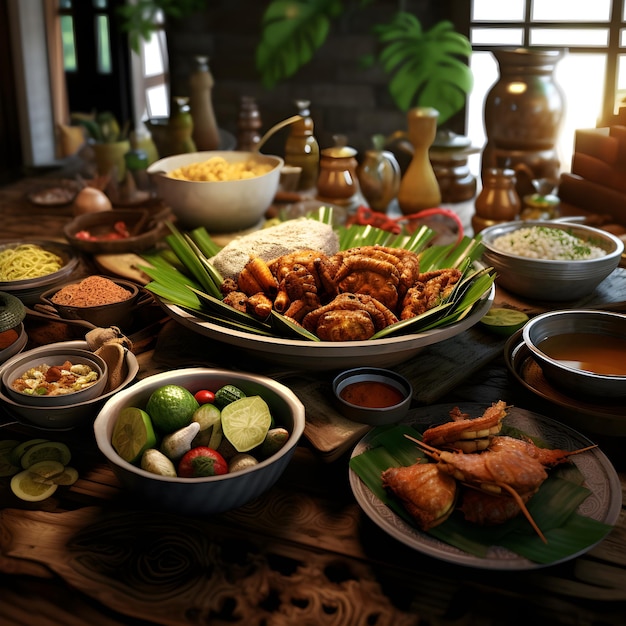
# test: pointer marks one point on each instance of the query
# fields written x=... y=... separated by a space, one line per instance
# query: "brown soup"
x=600 y=354
x=372 y=394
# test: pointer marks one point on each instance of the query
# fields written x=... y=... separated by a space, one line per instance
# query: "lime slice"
x=504 y=321
x=245 y=422
x=133 y=433
x=18 y=451
x=171 y=408
x=45 y=471
x=7 y=467
x=46 y=451
x=68 y=476
x=25 y=487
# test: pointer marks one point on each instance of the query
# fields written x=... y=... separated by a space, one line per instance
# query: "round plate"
x=330 y=355
x=603 y=504
x=589 y=416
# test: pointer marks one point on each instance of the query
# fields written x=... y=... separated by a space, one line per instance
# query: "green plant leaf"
x=292 y=31
x=428 y=68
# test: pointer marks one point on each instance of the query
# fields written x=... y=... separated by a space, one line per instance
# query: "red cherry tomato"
x=204 y=396
x=202 y=461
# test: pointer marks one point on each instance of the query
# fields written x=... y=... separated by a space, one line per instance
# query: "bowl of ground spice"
x=100 y=300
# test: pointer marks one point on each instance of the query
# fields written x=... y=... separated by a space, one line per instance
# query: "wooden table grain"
x=304 y=553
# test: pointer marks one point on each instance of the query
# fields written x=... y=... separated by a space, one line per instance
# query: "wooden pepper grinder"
x=248 y=124
x=419 y=188
x=205 y=131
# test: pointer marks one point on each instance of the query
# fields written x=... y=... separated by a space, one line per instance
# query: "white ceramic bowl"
x=374 y=416
x=222 y=206
x=212 y=494
x=17 y=365
x=29 y=290
x=551 y=280
x=565 y=374
x=72 y=415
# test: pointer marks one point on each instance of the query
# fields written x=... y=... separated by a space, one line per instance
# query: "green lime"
x=210 y=420
x=25 y=487
x=245 y=422
x=46 y=451
x=18 y=451
x=45 y=471
x=68 y=476
x=133 y=433
x=171 y=408
x=504 y=321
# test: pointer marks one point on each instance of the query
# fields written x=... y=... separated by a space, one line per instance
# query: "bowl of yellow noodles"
x=30 y=267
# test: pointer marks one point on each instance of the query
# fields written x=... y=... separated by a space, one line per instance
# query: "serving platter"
x=585 y=414
x=603 y=504
x=329 y=355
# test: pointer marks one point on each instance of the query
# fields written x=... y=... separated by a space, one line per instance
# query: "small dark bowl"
x=373 y=416
x=29 y=290
x=573 y=380
x=144 y=225
x=115 y=314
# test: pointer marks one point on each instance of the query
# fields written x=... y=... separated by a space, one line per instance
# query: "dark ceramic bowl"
x=372 y=377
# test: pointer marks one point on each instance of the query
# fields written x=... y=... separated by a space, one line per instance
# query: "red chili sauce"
x=371 y=394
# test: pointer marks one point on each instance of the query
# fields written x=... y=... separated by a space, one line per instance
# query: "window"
x=592 y=74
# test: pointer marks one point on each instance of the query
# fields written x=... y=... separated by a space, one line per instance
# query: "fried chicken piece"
x=486 y=509
x=341 y=325
x=429 y=291
x=236 y=299
x=297 y=284
x=427 y=494
x=259 y=305
x=255 y=277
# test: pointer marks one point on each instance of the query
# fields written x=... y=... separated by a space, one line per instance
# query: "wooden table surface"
x=302 y=553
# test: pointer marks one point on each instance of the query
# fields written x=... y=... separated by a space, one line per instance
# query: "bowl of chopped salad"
x=550 y=261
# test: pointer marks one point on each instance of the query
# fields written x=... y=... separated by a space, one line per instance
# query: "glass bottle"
x=301 y=147
x=498 y=200
x=379 y=176
x=248 y=124
x=205 y=130
x=180 y=127
x=419 y=188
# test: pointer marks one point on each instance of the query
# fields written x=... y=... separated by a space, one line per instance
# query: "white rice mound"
x=552 y=244
x=270 y=243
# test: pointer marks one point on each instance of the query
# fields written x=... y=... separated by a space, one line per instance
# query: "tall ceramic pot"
x=523 y=113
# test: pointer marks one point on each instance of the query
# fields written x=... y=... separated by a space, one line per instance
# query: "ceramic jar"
x=379 y=178
x=419 y=188
x=337 y=181
x=205 y=131
x=523 y=112
x=498 y=200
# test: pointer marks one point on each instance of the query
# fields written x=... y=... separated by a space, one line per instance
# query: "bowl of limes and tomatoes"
x=200 y=440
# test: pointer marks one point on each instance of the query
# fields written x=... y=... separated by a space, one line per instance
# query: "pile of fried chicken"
x=347 y=296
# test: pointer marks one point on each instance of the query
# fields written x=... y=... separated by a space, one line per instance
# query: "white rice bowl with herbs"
x=541 y=242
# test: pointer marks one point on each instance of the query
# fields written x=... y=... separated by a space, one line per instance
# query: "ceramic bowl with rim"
x=226 y=206
x=72 y=415
x=103 y=315
x=17 y=346
x=29 y=290
x=379 y=396
x=551 y=280
x=581 y=351
x=211 y=494
x=16 y=366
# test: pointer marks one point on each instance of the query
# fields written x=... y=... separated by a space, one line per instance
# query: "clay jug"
x=419 y=188
x=379 y=178
x=337 y=182
x=498 y=200
x=523 y=112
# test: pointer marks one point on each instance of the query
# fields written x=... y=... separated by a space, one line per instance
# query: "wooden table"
x=303 y=553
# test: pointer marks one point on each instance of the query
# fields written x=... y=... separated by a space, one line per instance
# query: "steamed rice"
x=541 y=242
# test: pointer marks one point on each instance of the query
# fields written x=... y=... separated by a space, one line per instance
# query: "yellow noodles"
x=27 y=261
x=218 y=168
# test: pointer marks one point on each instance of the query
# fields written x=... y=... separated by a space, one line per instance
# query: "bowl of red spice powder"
x=100 y=300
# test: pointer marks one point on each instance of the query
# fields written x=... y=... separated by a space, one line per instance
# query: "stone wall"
x=345 y=98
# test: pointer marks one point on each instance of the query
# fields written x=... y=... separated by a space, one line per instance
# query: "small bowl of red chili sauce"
x=372 y=395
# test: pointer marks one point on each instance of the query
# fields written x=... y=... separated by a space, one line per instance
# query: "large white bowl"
x=222 y=206
x=211 y=494
x=330 y=355
x=551 y=280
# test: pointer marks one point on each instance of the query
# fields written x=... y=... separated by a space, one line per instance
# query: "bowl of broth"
x=372 y=395
x=582 y=352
